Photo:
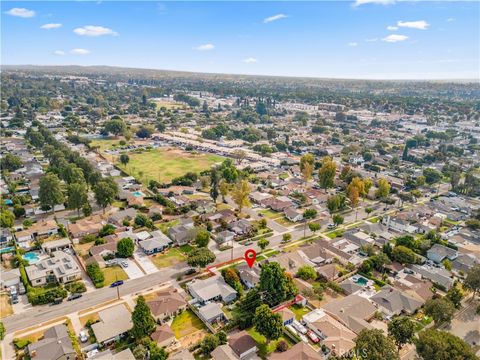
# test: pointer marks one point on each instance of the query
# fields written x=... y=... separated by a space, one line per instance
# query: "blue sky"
x=370 y=39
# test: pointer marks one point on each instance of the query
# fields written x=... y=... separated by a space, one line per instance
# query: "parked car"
x=331 y=226
x=190 y=271
x=21 y=289
x=313 y=337
x=57 y=301
x=116 y=283
x=299 y=327
x=14 y=299
x=74 y=296
x=291 y=329
x=124 y=263
x=83 y=337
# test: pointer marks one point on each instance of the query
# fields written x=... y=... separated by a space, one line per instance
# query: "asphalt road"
x=40 y=314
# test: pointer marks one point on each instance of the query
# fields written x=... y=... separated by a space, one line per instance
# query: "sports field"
x=165 y=164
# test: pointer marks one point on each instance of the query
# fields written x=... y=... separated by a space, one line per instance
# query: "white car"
x=299 y=327
x=124 y=264
x=291 y=329
x=83 y=337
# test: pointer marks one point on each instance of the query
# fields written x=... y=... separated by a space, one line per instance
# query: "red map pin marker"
x=250 y=256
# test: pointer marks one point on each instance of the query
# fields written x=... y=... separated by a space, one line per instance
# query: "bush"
x=76 y=287
x=88 y=238
x=21 y=343
x=282 y=346
x=45 y=295
x=96 y=274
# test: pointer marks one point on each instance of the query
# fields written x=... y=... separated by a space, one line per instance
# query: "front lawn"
x=114 y=273
x=171 y=257
x=270 y=214
x=299 y=311
x=164 y=226
x=186 y=323
x=5 y=306
x=263 y=348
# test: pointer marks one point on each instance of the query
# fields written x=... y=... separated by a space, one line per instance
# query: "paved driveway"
x=145 y=263
x=132 y=270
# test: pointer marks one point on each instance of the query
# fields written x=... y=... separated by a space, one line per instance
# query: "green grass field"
x=171 y=257
x=114 y=273
x=186 y=323
x=163 y=165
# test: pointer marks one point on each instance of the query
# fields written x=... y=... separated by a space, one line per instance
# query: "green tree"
x=77 y=196
x=105 y=192
x=441 y=345
x=50 y=193
x=208 y=344
x=307 y=273
x=115 y=126
x=125 y=247
x=432 y=176
x=404 y=255
x=441 y=310
x=275 y=283
x=214 y=180
x=223 y=187
x=455 y=295
x=472 y=281
x=200 y=257
x=268 y=323
x=326 y=174
x=7 y=219
x=202 y=238
x=402 y=329
x=143 y=321
x=263 y=243
x=10 y=163
x=2 y=331
x=374 y=345
x=240 y=194
x=308 y=214
x=337 y=219
x=383 y=189
x=314 y=227
x=286 y=237
x=96 y=274
x=124 y=159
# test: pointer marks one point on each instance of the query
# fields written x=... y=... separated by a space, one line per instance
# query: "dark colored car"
x=190 y=271
x=57 y=301
x=74 y=296
x=116 y=283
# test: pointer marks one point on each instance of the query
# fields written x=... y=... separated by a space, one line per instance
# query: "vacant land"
x=169 y=105
x=5 y=307
x=163 y=165
x=170 y=257
x=114 y=273
x=186 y=323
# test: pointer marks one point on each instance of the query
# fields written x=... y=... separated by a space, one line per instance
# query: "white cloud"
x=50 y=26
x=93 y=30
x=377 y=2
x=420 y=25
x=450 y=19
x=371 y=40
x=59 y=52
x=21 y=12
x=274 y=18
x=204 y=47
x=79 y=52
x=395 y=38
x=392 y=28
x=250 y=60
x=352 y=44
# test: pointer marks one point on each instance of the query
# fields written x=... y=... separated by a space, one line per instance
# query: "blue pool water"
x=8 y=202
x=7 y=249
x=31 y=257
x=137 y=194
x=361 y=281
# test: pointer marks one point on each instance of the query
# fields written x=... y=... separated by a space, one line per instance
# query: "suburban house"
x=98 y=252
x=39 y=230
x=241 y=227
x=352 y=311
x=398 y=225
x=156 y=244
x=55 y=345
x=108 y=355
x=223 y=352
x=164 y=336
x=298 y=351
x=293 y=214
x=464 y=262
x=60 y=267
x=242 y=345
x=249 y=276
x=359 y=238
x=118 y=217
x=56 y=245
x=87 y=226
x=395 y=302
x=287 y=315
x=435 y=275
x=211 y=313
x=114 y=323
x=437 y=253
x=328 y=272
x=336 y=336
x=417 y=288
x=10 y=278
x=211 y=289
x=167 y=304
x=225 y=236
x=183 y=233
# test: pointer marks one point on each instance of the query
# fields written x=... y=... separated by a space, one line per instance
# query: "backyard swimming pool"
x=137 y=193
x=361 y=281
x=31 y=257
x=7 y=249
